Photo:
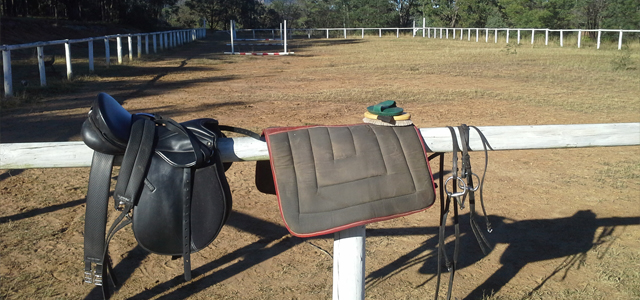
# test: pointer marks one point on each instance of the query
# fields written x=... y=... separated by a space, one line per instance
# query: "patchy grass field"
x=566 y=220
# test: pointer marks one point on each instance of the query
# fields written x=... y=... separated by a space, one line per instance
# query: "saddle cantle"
x=330 y=178
x=171 y=185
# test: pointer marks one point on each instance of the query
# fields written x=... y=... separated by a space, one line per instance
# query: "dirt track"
x=566 y=221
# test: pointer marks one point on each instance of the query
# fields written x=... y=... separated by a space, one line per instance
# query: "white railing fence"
x=445 y=32
x=349 y=245
x=159 y=41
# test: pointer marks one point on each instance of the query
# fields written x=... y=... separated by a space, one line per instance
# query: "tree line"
x=148 y=14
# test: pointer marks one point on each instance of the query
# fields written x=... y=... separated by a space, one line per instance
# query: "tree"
x=443 y=13
x=622 y=14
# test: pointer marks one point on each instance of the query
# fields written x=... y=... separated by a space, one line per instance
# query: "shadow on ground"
x=527 y=242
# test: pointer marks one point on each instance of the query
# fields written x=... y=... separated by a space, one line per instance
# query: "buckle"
x=88 y=276
x=97 y=279
x=122 y=203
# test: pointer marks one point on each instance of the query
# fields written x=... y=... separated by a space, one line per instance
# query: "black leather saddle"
x=171 y=184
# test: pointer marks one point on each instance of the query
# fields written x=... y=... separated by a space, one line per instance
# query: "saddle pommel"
x=107 y=127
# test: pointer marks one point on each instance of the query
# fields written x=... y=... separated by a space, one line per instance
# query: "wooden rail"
x=76 y=154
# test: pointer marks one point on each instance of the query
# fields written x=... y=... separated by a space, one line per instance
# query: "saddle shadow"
x=245 y=257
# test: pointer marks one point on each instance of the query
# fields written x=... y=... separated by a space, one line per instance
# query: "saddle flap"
x=158 y=214
x=329 y=178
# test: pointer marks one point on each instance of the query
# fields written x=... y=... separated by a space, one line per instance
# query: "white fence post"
x=107 y=53
x=486 y=35
x=285 y=36
x=424 y=26
x=6 y=69
x=447 y=30
x=518 y=36
x=507 y=35
x=362 y=32
x=155 y=46
x=41 y=68
x=119 y=48
x=91 y=69
x=67 y=56
x=533 y=34
x=345 y=33
x=165 y=41
x=130 y=44
x=620 y=41
x=477 y=34
x=414 y=29
x=454 y=33
x=599 y=34
x=496 y=36
x=349 y=263
x=139 y=46
x=232 y=29
x=327 y=33
x=146 y=44
x=546 y=37
x=561 y=38
x=469 y=34
x=579 y=37
x=397 y=32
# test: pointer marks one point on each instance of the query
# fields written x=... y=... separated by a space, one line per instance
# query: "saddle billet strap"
x=135 y=161
x=186 y=223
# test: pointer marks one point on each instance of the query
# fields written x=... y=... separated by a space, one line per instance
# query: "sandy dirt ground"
x=565 y=220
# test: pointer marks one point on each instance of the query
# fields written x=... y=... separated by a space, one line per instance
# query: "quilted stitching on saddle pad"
x=330 y=178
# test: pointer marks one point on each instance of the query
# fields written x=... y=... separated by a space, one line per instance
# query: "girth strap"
x=132 y=173
x=96 y=211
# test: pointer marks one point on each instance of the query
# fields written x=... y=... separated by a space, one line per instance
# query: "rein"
x=463 y=186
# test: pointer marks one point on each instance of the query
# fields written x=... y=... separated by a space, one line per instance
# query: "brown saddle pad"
x=330 y=178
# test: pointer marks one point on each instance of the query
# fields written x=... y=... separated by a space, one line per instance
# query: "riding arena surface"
x=566 y=221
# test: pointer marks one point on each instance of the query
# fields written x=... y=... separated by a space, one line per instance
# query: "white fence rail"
x=160 y=40
x=76 y=154
x=445 y=32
